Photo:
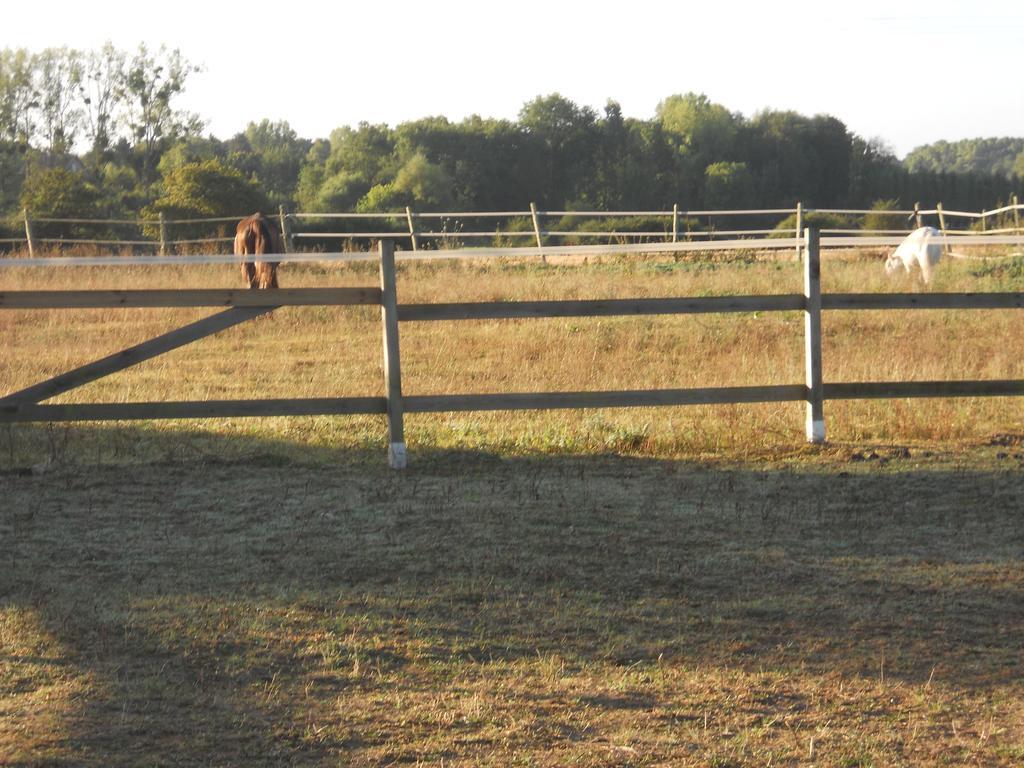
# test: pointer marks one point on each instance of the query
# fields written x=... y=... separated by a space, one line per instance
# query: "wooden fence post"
x=799 y=227
x=942 y=226
x=392 y=363
x=917 y=215
x=412 y=228
x=675 y=222
x=815 y=424
x=163 y=234
x=1016 y=216
x=536 y=231
x=28 y=234
x=286 y=230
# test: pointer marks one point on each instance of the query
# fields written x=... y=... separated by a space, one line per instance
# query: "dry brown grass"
x=309 y=352
x=485 y=611
x=645 y=587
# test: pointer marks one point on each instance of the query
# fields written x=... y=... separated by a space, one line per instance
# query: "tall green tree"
x=795 y=157
x=631 y=164
x=367 y=151
x=12 y=173
x=335 y=176
x=19 y=96
x=60 y=73
x=191 y=149
x=874 y=172
x=419 y=183
x=153 y=82
x=699 y=126
x=700 y=132
x=271 y=154
x=566 y=135
x=101 y=90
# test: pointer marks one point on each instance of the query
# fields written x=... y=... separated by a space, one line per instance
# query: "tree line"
x=1003 y=156
x=100 y=134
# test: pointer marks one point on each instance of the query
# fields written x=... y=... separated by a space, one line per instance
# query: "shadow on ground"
x=237 y=604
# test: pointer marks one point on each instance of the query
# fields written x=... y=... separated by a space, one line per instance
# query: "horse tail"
x=256 y=236
x=262 y=242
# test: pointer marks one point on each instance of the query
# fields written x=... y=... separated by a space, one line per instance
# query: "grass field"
x=683 y=586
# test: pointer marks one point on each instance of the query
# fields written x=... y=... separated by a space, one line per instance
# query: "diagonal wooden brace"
x=133 y=355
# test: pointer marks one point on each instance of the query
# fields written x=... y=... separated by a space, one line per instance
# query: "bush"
x=662 y=224
x=812 y=219
x=207 y=189
x=57 y=193
x=383 y=198
x=517 y=224
x=728 y=185
x=878 y=219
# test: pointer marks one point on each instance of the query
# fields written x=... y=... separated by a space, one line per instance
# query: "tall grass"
x=315 y=352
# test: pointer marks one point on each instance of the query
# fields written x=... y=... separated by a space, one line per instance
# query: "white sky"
x=883 y=68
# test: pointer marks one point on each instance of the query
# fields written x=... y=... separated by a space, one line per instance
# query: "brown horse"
x=256 y=234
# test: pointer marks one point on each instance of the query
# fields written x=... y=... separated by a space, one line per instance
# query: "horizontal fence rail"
x=614 y=399
x=504 y=310
x=625 y=249
x=238 y=306
x=922 y=301
x=301 y=226
x=448 y=253
x=199 y=297
x=868 y=390
x=194 y=409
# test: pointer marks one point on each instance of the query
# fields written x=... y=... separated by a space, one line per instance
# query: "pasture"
x=674 y=586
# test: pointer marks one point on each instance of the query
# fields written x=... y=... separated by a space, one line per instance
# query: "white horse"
x=918 y=248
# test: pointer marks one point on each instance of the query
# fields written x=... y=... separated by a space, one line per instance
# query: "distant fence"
x=26 y=405
x=447 y=229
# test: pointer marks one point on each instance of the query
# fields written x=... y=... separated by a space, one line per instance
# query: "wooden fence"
x=26 y=404
x=446 y=227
